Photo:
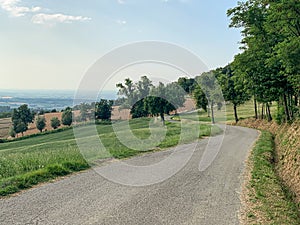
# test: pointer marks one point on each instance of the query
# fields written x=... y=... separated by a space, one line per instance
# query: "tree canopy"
x=270 y=61
x=144 y=99
x=21 y=117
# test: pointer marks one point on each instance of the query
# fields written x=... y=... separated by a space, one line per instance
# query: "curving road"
x=189 y=197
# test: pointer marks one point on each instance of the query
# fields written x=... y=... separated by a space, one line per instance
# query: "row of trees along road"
x=269 y=65
x=144 y=99
x=267 y=70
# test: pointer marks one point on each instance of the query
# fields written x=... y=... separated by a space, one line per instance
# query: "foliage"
x=212 y=90
x=40 y=123
x=84 y=108
x=144 y=99
x=5 y=115
x=67 y=117
x=188 y=84
x=234 y=88
x=12 y=132
x=164 y=99
x=21 y=117
x=271 y=57
x=200 y=98
x=55 y=122
x=103 y=109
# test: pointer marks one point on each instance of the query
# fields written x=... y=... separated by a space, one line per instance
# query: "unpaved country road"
x=189 y=197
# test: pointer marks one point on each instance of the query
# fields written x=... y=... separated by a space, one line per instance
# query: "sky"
x=50 y=44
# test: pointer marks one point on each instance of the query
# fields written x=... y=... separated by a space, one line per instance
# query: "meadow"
x=27 y=162
x=226 y=114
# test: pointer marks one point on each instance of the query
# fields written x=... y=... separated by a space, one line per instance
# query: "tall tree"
x=212 y=90
x=135 y=95
x=271 y=44
x=164 y=99
x=233 y=88
x=200 y=98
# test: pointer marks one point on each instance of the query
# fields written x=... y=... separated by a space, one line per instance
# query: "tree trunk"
x=291 y=105
x=212 y=112
x=235 y=113
x=268 y=112
x=255 y=108
x=162 y=116
x=262 y=111
x=286 y=108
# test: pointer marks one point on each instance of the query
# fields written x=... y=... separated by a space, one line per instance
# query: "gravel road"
x=189 y=197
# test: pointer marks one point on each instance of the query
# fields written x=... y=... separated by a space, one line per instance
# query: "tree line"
x=23 y=116
x=269 y=66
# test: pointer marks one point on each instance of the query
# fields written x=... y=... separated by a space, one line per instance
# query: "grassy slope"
x=268 y=202
x=27 y=162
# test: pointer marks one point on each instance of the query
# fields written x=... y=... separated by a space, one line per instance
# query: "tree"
x=67 y=117
x=234 y=88
x=103 y=109
x=211 y=89
x=128 y=90
x=55 y=123
x=134 y=95
x=271 y=57
x=188 y=84
x=84 y=107
x=138 y=110
x=164 y=99
x=200 y=98
x=12 y=132
x=40 y=123
x=21 y=117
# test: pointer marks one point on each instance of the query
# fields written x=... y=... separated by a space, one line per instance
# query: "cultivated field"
x=4 y=127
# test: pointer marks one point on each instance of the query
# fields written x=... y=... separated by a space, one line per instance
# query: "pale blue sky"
x=49 y=44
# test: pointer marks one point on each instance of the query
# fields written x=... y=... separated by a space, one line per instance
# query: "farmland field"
x=4 y=127
x=24 y=163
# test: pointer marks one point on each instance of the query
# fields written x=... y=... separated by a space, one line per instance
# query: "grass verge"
x=267 y=200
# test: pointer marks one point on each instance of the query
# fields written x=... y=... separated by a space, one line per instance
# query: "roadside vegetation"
x=267 y=200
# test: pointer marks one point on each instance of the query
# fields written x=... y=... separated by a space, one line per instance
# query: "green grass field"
x=226 y=113
x=24 y=163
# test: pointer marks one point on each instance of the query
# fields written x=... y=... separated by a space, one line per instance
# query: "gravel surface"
x=189 y=197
